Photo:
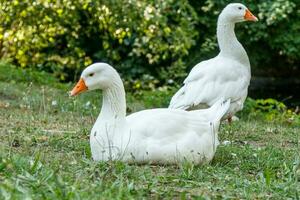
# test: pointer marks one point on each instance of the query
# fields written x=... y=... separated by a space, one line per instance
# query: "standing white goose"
x=225 y=76
x=157 y=135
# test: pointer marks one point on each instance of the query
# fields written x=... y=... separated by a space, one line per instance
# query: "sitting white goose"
x=165 y=136
x=225 y=76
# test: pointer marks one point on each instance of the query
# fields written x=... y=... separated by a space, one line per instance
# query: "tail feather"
x=219 y=109
x=216 y=112
x=176 y=101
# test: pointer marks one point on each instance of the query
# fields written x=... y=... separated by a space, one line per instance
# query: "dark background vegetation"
x=151 y=43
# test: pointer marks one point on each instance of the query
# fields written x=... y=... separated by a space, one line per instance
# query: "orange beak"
x=249 y=16
x=79 y=87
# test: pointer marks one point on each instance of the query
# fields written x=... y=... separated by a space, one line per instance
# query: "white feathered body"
x=159 y=136
x=210 y=80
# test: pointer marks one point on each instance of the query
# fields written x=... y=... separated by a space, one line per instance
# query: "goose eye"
x=91 y=74
x=240 y=8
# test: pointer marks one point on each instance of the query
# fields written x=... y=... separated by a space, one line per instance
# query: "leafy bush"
x=271 y=110
x=162 y=38
x=64 y=36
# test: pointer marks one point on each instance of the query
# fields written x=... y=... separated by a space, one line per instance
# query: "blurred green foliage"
x=64 y=36
x=271 y=110
x=162 y=38
x=12 y=74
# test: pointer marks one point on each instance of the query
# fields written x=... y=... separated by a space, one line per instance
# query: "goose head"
x=96 y=76
x=237 y=12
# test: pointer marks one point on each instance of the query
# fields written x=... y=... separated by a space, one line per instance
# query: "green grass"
x=45 y=154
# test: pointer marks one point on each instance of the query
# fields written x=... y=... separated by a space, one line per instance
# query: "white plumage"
x=157 y=135
x=225 y=76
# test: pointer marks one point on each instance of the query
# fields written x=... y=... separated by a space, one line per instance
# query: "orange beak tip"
x=79 y=87
x=250 y=17
x=70 y=94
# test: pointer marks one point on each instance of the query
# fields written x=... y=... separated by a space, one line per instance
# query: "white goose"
x=225 y=76
x=158 y=135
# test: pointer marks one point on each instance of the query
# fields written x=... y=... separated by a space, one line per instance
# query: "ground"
x=45 y=154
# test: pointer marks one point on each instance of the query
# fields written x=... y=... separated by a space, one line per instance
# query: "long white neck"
x=230 y=47
x=114 y=102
